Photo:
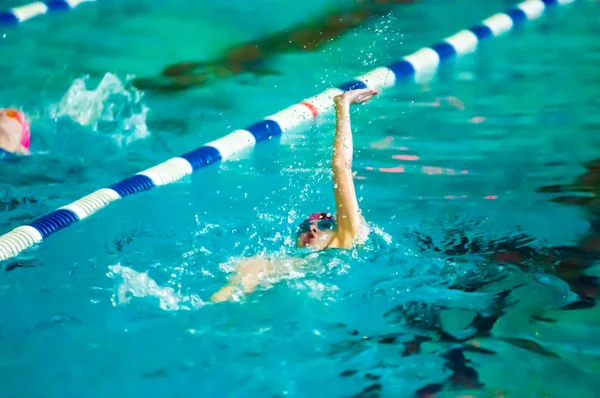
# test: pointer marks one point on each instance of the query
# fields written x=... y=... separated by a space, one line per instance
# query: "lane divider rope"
x=423 y=62
x=24 y=13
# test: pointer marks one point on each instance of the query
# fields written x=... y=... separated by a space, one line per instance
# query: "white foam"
x=108 y=109
x=139 y=284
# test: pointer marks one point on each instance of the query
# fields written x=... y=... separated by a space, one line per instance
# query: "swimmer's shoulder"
x=356 y=242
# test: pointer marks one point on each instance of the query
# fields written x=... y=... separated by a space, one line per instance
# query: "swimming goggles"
x=324 y=222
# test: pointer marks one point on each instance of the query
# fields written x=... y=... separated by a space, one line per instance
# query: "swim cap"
x=319 y=216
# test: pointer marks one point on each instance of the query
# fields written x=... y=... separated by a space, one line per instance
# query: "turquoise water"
x=116 y=304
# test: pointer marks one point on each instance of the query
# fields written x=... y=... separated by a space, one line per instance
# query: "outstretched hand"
x=358 y=96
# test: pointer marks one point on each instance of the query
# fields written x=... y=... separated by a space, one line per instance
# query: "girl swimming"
x=320 y=231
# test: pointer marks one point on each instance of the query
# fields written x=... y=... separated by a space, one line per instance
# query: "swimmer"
x=14 y=133
x=320 y=231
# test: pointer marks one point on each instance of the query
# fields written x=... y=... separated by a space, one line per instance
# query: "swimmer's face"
x=10 y=133
x=315 y=234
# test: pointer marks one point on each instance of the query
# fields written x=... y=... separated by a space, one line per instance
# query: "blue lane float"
x=24 y=13
x=414 y=67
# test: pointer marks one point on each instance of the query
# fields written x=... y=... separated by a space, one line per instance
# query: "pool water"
x=118 y=304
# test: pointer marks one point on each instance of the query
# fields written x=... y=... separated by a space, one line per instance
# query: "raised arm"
x=346 y=204
x=252 y=272
x=248 y=275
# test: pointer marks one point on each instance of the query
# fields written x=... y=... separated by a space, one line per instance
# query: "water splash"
x=109 y=109
x=136 y=284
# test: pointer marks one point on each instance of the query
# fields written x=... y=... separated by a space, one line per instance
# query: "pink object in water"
x=25 y=128
x=319 y=216
x=405 y=157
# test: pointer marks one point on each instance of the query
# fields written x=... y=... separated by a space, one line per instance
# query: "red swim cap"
x=319 y=216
